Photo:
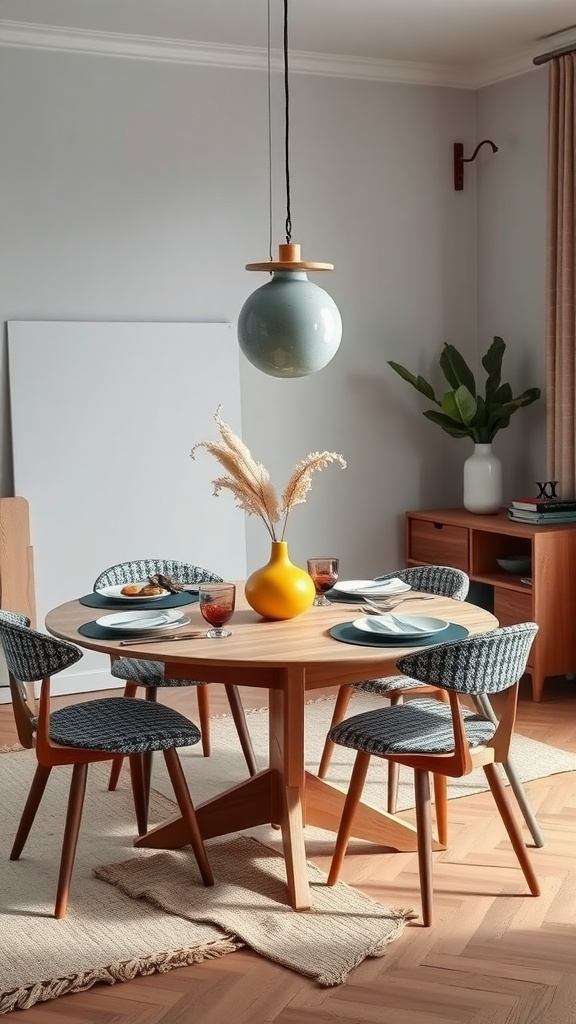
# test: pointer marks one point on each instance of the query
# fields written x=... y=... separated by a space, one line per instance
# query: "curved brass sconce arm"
x=460 y=160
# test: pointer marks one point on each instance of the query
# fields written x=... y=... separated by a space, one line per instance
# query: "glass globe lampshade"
x=289 y=327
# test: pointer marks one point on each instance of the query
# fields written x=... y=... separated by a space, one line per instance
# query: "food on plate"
x=139 y=590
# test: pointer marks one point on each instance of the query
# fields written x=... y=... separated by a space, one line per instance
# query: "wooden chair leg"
x=41 y=776
x=70 y=841
x=483 y=705
x=151 y=695
x=239 y=717
x=139 y=794
x=441 y=807
x=396 y=697
x=511 y=826
x=130 y=690
x=424 y=828
x=186 y=806
x=355 y=787
x=342 y=701
x=203 y=696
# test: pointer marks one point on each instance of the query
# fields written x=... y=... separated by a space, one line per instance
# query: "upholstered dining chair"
x=151 y=675
x=81 y=734
x=431 y=736
x=443 y=581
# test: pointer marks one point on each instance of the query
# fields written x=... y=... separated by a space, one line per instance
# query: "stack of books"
x=543 y=511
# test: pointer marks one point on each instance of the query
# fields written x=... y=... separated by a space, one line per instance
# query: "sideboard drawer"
x=438 y=544
x=511 y=606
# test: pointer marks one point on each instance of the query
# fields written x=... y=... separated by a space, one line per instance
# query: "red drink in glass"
x=217 y=602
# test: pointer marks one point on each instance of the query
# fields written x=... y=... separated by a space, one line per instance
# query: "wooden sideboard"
x=473 y=543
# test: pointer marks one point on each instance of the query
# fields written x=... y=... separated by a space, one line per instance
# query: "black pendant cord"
x=270 y=195
x=287 y=127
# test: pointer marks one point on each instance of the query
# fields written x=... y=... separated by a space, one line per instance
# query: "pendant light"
x=289 y=327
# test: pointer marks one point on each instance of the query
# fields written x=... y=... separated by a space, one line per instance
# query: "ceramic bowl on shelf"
x=521 y=565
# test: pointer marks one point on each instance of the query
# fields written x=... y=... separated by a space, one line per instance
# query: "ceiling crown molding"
x=114 y=44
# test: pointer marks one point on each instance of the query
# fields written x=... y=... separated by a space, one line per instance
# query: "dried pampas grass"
x=249 y=482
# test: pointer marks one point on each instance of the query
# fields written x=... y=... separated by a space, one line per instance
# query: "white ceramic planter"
x=482 y=481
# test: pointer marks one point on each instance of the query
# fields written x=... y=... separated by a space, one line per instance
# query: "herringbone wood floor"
x=494 y=955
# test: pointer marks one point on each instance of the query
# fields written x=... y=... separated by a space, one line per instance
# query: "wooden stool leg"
x=203 y=696
x=342 y=701
x=239 y=717
x=41 y=776
x=511 y=826
x=424 y=827
x=355 y=787
x=441 y=807
x=130 y=690
x=70 y=841
x=186 y=806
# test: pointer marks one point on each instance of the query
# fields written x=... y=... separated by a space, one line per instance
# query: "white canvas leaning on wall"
x=103 y=419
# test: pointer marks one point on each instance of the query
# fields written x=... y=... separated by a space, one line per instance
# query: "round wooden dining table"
x=290 y=659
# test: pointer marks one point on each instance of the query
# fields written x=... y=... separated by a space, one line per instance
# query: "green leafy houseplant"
x=462 y=412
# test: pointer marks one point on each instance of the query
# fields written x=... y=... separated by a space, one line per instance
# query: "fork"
x=387 y=606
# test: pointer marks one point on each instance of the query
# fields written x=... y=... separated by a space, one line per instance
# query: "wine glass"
x=324 y=573
x=217 y=602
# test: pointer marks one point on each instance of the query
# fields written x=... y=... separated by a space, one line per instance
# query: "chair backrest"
x=141 y=569
x=485 y=663
x=30 y=656
x=482 y=664
x=433 y=579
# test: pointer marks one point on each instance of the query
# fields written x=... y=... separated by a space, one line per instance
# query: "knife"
x=160 y=639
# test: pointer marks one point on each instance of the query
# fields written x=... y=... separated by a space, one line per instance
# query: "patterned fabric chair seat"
x=146 y=673
x=387 y=685
x=422 y=726
x=122 y=725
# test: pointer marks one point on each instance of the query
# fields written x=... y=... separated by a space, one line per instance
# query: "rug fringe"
x=25 y=997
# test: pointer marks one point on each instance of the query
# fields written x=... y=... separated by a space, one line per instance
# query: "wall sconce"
x=460 y=160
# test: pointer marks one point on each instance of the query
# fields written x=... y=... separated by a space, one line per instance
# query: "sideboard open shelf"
x=473 y=543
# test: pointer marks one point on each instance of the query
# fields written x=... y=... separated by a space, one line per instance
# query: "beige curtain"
x=561 y=277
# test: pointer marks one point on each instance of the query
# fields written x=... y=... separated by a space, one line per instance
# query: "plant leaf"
x=456 y=369
x=460 y=406
x=446 y=423
x=419 y=383
x=492 y=363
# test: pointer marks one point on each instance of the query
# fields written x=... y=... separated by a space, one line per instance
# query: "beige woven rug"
x=110 y=936
x=248 y=901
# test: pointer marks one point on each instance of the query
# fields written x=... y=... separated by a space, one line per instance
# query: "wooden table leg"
x=287 y=765
x=243 y=806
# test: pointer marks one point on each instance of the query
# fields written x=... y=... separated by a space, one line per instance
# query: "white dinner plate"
x=371 y=588
x=115 y=593
x=141 y=622
x=405 y=626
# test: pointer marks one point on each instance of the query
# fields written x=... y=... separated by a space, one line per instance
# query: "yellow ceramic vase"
x=280 y=589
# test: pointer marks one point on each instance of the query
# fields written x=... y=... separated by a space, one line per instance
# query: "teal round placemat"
x=348 y=634
x=94 y=600
x=96 y=632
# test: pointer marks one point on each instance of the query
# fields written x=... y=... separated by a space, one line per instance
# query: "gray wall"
x=136 y=190
x=511 y=190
